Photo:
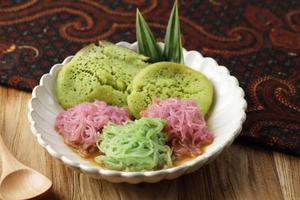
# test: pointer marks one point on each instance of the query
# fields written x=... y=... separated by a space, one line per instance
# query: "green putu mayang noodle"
x=135 y=146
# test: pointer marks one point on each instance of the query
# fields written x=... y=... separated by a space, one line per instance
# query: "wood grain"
x=241 y=172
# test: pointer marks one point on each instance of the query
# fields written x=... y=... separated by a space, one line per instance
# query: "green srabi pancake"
x=103 y=72
x=164 y=80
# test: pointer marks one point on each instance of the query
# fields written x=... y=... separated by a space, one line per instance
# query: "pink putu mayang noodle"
x=186 y=127
x=81 y=125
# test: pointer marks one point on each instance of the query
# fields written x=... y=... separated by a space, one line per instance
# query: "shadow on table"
x=231 y=176
x=240 y=172
x=217 y=180
x=47 y=196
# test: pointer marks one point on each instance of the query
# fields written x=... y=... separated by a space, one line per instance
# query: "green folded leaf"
x=173 y=45
x=146 y=42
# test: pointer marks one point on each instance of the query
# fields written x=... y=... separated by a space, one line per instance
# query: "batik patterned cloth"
x=259 y=41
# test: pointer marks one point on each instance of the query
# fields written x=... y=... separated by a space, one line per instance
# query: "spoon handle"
x=9 y=162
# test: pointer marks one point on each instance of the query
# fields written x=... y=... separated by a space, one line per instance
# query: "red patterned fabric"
x=259 y=41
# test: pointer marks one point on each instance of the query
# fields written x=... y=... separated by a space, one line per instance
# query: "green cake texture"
x=103 y=72
x=166 y=79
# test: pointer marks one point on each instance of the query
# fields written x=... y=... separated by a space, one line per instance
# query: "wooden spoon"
x=18 y=181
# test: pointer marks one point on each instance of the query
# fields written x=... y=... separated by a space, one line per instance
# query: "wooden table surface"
x=240 y=172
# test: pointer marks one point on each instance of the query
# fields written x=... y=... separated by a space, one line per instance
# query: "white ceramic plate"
x=225 y=121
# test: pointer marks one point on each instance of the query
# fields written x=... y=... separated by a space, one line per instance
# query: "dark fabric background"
x=259 y=41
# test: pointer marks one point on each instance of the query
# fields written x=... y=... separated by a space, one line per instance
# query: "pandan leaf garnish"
x=173 y=45
x=147 y=44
